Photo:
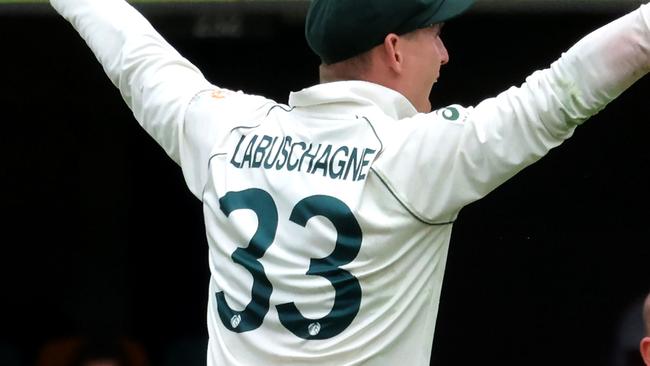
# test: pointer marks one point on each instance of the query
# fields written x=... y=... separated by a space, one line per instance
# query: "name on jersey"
x=287 y=153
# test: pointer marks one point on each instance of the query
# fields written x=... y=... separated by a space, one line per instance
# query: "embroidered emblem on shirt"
x=451 y=114
x=235 y=320
x=218 y=94
x=314 y=329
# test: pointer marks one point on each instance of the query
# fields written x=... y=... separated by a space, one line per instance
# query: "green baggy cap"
x=339 y=29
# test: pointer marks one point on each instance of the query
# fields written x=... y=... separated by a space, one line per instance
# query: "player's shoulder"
x=222 y=110
x=418 y=150
x=440 y=121
x=228 y=101
x=454 y=114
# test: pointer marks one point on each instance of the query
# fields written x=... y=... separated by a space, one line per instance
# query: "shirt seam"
x=413 y=212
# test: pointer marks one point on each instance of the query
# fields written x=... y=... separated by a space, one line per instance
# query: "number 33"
x=347 y=289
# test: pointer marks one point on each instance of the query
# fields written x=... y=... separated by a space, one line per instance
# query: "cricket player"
x=329 y=219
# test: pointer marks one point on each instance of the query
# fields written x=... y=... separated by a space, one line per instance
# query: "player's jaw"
x=426 y=54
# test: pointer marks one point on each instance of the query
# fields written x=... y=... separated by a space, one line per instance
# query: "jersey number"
x=347 y=289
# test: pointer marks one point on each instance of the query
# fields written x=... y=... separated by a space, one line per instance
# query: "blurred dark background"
x=100 y=235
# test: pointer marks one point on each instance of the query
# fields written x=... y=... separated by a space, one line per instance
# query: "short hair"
x=353 y=68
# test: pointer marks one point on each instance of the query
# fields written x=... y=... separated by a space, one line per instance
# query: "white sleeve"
x=469 y=152
x=155 y=81
x=513 y=130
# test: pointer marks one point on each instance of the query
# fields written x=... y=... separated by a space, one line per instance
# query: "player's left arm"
x=503 y=135
x=156 y=82
x=474 y=150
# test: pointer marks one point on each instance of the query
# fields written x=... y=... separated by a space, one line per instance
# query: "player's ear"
x=392 y=51
x=645 y=350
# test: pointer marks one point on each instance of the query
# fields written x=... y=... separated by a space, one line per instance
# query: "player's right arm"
x=156 y=82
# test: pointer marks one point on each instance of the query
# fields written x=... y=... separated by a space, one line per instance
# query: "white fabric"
x=343 y=146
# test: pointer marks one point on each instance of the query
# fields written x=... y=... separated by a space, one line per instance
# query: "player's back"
x=315 y=259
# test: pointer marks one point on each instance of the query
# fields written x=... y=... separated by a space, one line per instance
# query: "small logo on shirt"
x=235 y=320
x=218 y=94
x=314 y=329
x=451 y=114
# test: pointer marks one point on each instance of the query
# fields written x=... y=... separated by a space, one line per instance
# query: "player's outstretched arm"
x=511 y=131
x=155 y=81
